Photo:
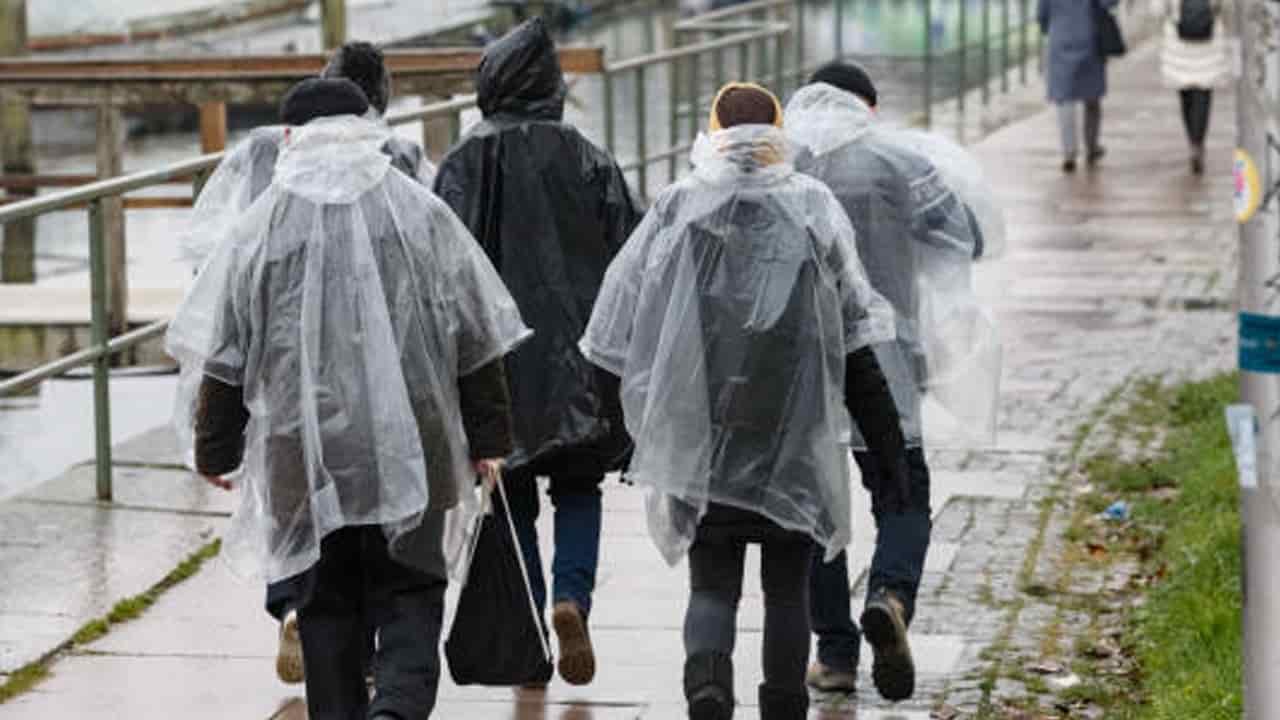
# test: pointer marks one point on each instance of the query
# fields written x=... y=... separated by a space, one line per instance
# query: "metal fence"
x=766 y=41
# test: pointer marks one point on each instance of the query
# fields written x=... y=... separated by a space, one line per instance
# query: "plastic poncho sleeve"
x=868 y=317
x=606 y=343
x=486 y=329
x=244 y=173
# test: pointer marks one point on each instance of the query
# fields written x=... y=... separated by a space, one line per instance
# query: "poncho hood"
x=746 y=153
x=520 y=75
x=333 y=159
x=824 y=118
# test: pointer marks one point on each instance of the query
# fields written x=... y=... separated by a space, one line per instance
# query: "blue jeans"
x=578 y=513
x=902 y=541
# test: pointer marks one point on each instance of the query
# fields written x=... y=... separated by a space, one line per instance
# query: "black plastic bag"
x=1110 y=40
x=497 y=637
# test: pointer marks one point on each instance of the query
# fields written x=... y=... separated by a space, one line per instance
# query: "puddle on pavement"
x=47 y=432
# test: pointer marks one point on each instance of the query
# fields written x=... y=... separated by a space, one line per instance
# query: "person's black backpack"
x=1196 y=19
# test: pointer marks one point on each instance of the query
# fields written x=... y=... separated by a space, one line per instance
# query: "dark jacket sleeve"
x=221 y=418
x=866 y=394
x=486 y=411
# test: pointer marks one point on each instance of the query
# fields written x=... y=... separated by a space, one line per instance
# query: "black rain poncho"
x=551 y=210
x=918 y=245
x=347 y=301
x=729 y=316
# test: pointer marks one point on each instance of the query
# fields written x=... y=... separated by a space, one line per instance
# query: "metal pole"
x=1004 y=46
x=839 y=29
x=718 y=68
x=779 y=63
x=800 y=42
x=986 y=52
x=964 y=68
x=110 y=164
x=1022 y=41
x=100 y=336
x=1257 y=117
x=642 y=129
x=928 y=63
x=695 y=96
x=609 y=129
x=673 y=125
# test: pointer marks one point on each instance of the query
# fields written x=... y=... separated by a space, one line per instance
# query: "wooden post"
x=110 y=136
x=436 y=134
x=213 y=127
x=17 y=253
x=334 y=23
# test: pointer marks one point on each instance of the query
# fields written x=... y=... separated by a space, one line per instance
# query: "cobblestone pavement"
x=1112 y=274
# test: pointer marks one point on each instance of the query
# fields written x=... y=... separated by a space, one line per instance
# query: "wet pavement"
x=1125 y=271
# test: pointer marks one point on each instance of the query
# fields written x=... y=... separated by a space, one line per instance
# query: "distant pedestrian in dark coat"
x=1076 y=73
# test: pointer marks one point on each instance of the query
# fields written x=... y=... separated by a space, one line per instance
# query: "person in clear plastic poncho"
x=739 y=318
x=240 y=178
x=917 y=243
x=350 y=335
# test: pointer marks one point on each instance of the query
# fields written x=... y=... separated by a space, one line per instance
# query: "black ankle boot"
x=708 y=686
x=778 y=705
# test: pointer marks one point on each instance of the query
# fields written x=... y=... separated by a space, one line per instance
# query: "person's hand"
x=217 y=481
x=489 y=470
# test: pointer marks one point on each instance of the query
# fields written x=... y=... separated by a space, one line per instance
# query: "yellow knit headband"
x=713 y=123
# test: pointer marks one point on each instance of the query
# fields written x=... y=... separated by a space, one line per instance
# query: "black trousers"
x=1196 y=106
x=715 y=574
x=357 y=586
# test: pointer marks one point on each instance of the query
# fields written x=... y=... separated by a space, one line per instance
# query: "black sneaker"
x=1095 y=156
x=885 y=627
x=1069 y=165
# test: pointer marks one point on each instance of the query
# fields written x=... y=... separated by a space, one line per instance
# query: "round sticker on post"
x=1247 y=187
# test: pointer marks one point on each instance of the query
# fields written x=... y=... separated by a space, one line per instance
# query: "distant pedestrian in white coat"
x=1194 y=60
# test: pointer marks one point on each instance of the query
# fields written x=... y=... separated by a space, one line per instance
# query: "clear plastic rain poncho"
x=728 y=315
x=917 y=244
x=347 y=302
x=964 y=175
x=246 y=171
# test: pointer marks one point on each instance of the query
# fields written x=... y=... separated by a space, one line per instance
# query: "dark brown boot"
x=884 y=625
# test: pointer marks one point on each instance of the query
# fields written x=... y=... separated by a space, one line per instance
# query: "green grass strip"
x=33 y=673
x=1187 y=637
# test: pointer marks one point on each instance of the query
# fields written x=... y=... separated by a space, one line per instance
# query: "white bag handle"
x=495 y=478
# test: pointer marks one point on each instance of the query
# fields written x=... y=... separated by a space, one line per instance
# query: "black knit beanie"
x=321 y=97
x=847 y=77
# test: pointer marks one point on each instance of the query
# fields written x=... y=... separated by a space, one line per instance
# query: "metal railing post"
x=607 y=90
x=928 y=63
x=1004 y=46
x=642 y=129
x=695 y=96
x=100 y=337
x=780 y=61
x=1022 y=41
x=986 y=52
x=839 y=44
x=718 y=68
x=673 y=127
x=963 y=30
x=455 y=126
x=800 y=42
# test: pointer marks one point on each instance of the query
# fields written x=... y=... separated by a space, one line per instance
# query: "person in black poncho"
x=551 y=210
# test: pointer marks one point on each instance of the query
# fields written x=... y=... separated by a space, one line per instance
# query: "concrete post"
x=1257 y=168
x=110 y=134
x=334 y=18
x=17 y=258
